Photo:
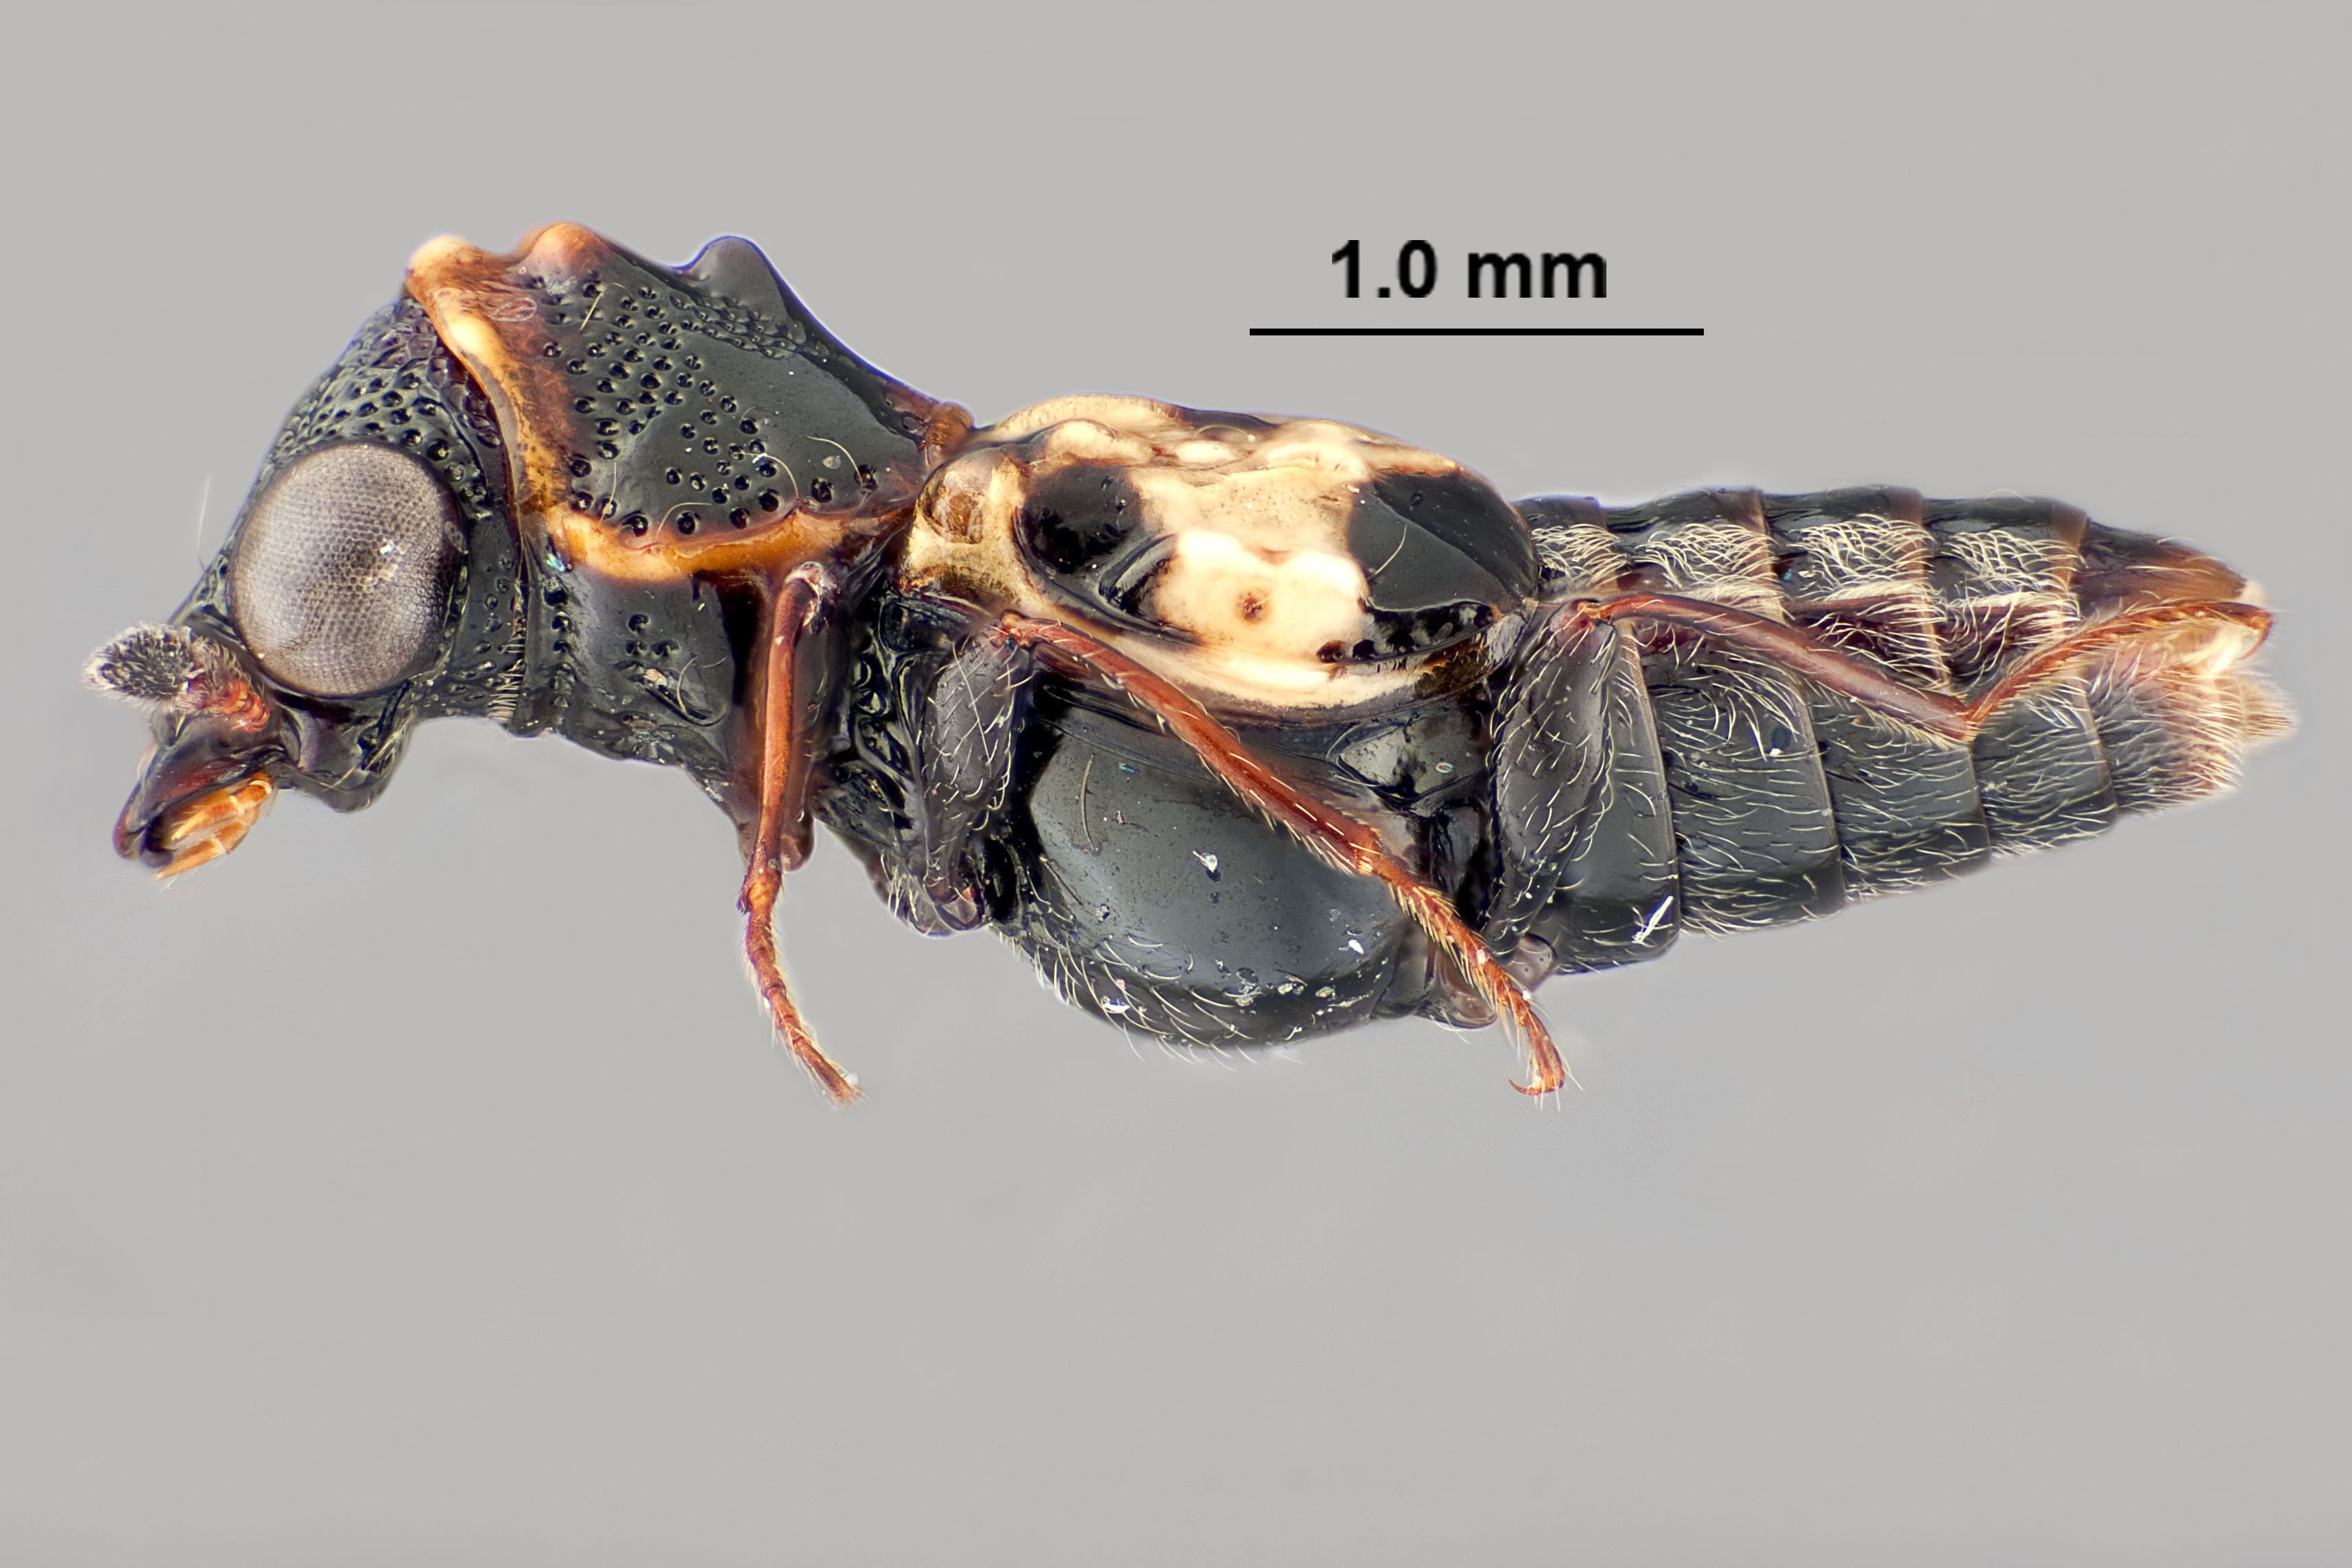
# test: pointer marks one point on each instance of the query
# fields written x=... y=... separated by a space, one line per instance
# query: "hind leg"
x=1803 y=654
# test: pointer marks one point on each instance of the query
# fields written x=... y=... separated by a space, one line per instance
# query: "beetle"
x=1243 y=728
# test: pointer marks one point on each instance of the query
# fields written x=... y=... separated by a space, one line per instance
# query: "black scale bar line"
x=1477 y=332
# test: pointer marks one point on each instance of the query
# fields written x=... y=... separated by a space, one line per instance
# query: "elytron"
x=1242 y=729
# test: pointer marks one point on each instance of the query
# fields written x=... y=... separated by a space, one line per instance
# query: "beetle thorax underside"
x=1275 y=565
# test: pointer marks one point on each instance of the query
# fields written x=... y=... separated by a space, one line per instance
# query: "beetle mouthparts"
x=206 y=826
x=203 y=787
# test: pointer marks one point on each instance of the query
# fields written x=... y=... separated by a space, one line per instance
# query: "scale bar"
x=1477 y=332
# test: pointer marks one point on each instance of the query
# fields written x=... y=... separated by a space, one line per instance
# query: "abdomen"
x=1784 y=801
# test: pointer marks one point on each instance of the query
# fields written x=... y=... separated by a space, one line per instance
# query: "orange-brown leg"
x=1803 y=654
x=781 y=842
x=1336 y=839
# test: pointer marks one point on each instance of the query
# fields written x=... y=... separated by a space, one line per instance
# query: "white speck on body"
x=1208 y=862
x=1651 y=921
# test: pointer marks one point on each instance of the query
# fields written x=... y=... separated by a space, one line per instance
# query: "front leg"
x=780 y=842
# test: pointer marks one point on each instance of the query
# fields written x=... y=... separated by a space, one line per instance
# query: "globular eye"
x=340 y=579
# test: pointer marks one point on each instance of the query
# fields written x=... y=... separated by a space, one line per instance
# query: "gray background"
x=422 y=1186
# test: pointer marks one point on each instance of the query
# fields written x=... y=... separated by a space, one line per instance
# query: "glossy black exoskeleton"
x=1242 y=729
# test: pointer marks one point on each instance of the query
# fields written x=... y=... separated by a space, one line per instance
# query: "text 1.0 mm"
x=1496 y=274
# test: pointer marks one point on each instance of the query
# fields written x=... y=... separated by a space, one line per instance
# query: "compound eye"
x=340 y=580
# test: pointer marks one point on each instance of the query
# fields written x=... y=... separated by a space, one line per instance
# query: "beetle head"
x=370 y=580
x=542 y=487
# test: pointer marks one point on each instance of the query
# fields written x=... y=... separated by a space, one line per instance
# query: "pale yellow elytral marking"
x=1243 y=598
x=1259 y=583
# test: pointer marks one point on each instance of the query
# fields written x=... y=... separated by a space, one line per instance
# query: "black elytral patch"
x=1442 y=555
x=1430 y=541
x=1074 y=521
